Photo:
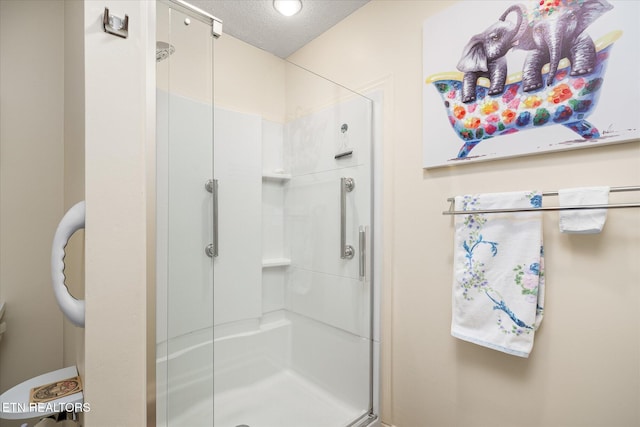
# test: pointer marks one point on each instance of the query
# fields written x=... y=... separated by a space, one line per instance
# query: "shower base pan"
x=282 y=373
x=261 y=405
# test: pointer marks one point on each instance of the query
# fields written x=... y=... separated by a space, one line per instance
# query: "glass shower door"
x=328 y=217
x=264 y=234
x=292 y=316
x=184 y=218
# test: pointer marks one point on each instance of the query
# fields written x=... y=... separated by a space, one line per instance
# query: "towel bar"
x=451 y=201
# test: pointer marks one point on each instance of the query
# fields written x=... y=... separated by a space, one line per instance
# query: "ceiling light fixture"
x=287 y=7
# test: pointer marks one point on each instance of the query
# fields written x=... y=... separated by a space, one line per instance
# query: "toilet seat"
x=14 y=403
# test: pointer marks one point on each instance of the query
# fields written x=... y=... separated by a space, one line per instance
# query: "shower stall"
x=266 y=300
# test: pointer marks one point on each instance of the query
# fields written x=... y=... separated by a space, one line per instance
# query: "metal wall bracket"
x=216 y=27
x=114 y=25
x=201 y=15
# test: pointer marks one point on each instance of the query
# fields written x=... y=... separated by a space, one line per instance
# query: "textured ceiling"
x=256 y=22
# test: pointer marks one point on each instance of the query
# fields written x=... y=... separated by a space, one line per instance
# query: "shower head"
x=163 y=51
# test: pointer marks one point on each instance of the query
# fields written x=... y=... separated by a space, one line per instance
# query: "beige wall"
x=248 y=80
x=119 y=126
x=31 y=185
x=42 y=174
x=74 y=167
x=584 y=368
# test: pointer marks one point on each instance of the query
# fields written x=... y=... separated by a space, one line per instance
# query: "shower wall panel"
x=336 y=360
x=320 y=284
x=238 y=169
x=236 y=272
x=314 y=137
x=189 y=270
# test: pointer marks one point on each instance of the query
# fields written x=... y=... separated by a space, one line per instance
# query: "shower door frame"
x=155 y=401
x=375 y=95
x=371 y=418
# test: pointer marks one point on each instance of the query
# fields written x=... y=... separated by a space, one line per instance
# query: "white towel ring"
x=71 y=222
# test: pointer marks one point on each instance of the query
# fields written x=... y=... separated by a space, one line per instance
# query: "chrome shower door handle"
x=212 y=187
x=362 y=258
x=346 y=185
x=215 y=218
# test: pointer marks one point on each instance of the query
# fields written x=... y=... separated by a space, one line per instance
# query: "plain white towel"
x=498 y=278
x=587 y=221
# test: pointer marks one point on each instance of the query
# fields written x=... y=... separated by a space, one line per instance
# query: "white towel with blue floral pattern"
x=498 y=278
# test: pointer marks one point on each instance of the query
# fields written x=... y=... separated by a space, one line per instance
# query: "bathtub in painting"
x=568 y=102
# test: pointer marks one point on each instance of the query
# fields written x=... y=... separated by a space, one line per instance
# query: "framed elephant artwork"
x=508 y=78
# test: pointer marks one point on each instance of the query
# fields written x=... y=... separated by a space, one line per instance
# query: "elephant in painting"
x=484 y=54
x=560 y=35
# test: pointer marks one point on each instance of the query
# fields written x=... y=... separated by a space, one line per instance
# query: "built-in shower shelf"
x=276 y=176
x=275 y=262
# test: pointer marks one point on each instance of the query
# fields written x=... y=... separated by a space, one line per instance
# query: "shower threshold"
x=284 y=399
